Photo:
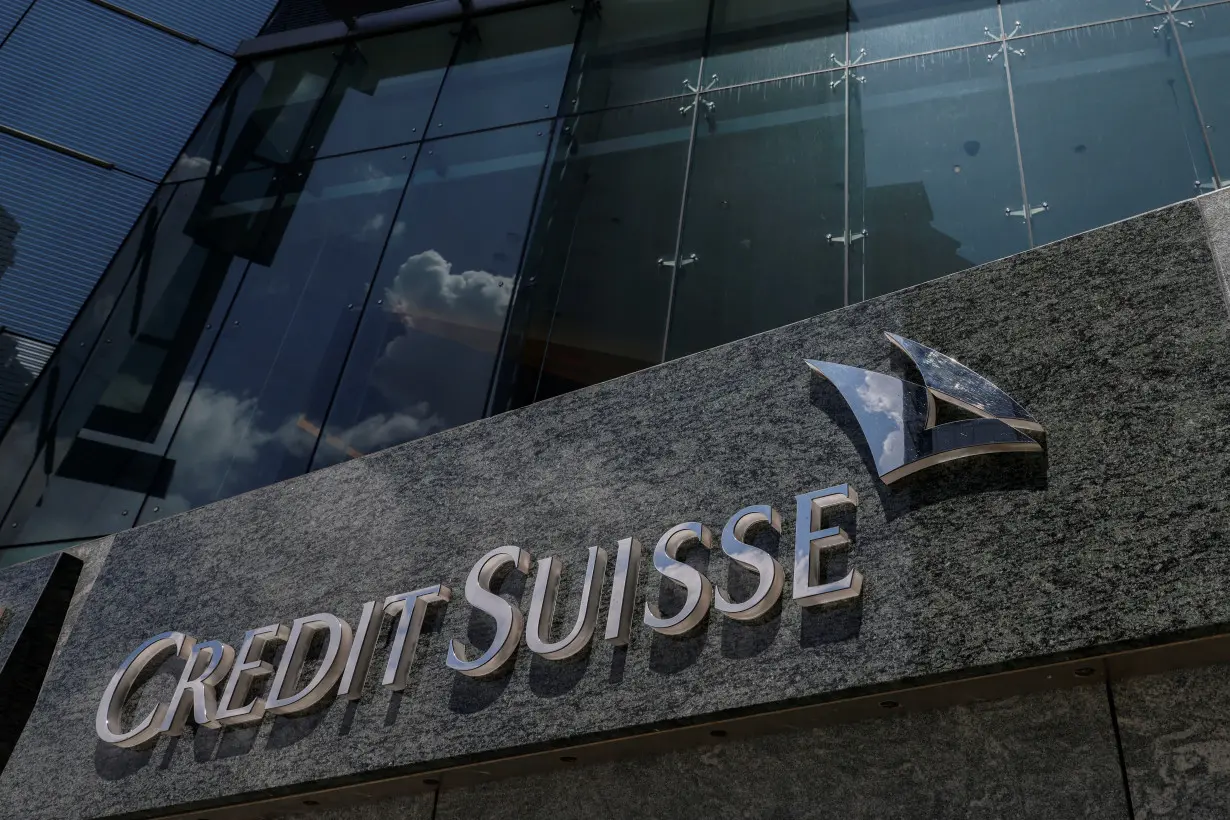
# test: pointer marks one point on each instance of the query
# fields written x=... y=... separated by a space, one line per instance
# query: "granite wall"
x=1115 y=342
x=34 y=599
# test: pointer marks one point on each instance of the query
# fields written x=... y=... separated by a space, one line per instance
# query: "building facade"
x=551 y=275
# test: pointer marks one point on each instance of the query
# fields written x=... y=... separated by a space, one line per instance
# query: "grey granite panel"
x=1176 y=743
x=1216 y=210
x=1041 y=757
x=34 y=597
x=1114 y=340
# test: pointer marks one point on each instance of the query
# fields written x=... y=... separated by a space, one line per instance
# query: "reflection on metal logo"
x=898 y=417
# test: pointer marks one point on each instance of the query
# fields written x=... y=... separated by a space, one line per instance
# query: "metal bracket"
x=683 y=263
x=708 y=104
x=848 y=239
x=1032 y=211
x=1003 y=41
x=848 y=66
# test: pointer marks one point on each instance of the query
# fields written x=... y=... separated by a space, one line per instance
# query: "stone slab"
x=1215 y=208
x=34 y=597
x=1038 y=757
x=1114 y=340
x=1176 y=743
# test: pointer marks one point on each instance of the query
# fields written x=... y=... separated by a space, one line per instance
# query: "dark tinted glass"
x=83 y=76
x=425 y=350
x=383 y=93
x=637 y=50
x=10 y=12
x=1206 y=43
x=1045 y=15
x=613 y=201
x=1092 y=105
x=933 y=168
x=105 y=450
x=36 y=415
x=262 y=117
x=15 y=555
x=256 y=412
x=509 y=68
x=766 y=187
x=762 y=39
x=891 y=28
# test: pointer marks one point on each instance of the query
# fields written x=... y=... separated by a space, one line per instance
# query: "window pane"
x=768 y=173
x=15 y=555
x=898 y=27
x=933 y=167
x=1045 y=15
x=384 y=92
x=105 y=451
x=85 y=77
x=1107 y=125
x=614 y=203
x=257 y=409
x=637 y=50
x=61 y=221
x=24 y=436
x=262 y=117
x=426 y=348
x=762 y=39
x=1207 y=47
x=509 y=68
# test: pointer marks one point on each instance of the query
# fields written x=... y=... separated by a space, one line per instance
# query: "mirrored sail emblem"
x=898 y=417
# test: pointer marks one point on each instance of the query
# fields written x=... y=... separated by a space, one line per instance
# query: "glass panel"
x=762 y=39
x=424 y=354
x=262 y=117
x=615 y=205
x=509 y=68
x=1207 y=47
x=384 y=93
x=767 y=181
x=891 y=28
x=1046 y=15
x=15 y=555
x=83 y=76
x=1107 y=125
x=105 y=451
x=933 y=166
x=257 y=409
x=10 y=12
x=25 y=434
x=637 y=50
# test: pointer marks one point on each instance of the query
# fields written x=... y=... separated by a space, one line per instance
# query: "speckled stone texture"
x=1175 y=730
x=34 y=597
x=1215 y=208
x=1040 y=757
x=1116 y=341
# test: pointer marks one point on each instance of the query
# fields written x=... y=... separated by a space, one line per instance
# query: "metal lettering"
x=509 y=622
x=302 y=632
x=772 y=578
x=411 y=607
x=249 y=667
x=810 y=542
x=207 y=666
x=699 y=589
x=623 y=592
x=542 y=608
x=110 y=710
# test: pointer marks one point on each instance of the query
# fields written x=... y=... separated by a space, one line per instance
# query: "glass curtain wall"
x=372 y=241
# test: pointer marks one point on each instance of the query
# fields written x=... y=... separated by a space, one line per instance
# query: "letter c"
x=110 y=710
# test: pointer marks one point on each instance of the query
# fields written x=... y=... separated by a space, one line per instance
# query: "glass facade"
x=369 y=242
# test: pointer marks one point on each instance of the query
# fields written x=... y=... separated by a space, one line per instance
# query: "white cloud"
x=191 y=166
x=426 y=286
x=882 y=395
